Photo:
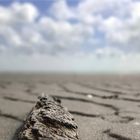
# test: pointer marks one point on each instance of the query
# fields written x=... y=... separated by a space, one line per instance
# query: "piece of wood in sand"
x=49 y=120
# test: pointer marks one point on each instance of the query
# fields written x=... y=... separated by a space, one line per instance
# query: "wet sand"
x=106 y=107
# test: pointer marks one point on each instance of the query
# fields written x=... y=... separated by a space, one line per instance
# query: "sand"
x=106 y=107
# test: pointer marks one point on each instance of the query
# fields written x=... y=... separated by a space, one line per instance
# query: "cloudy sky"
x=70 y=35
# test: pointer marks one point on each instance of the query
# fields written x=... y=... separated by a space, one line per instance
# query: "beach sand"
x=105 y=107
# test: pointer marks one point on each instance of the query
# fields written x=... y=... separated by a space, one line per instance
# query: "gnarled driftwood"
x=49 y=120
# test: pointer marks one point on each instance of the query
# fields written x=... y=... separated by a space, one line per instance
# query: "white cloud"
x=135 y=10
x=82 y=32
x=60 y=10
x=30 y=12
x=17 y=12
x=90 y=7
x=65 y=35
x=123 y=32
x=44 y=35
x=118 y=23
x=109 y=52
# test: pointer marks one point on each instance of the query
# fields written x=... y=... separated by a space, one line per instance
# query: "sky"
x=82 y=36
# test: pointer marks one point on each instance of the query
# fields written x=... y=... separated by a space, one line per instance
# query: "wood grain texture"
x=49 y=120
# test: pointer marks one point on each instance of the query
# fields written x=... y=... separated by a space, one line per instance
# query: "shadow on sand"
x=15 y=136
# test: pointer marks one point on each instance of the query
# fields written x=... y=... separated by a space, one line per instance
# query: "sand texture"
x=104 y=107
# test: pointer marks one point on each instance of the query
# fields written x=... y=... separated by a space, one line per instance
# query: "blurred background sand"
x=106 y=107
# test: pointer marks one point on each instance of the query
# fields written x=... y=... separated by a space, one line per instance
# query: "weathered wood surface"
x=49 y=120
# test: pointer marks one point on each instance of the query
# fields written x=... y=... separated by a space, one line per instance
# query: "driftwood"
x=49 y=120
